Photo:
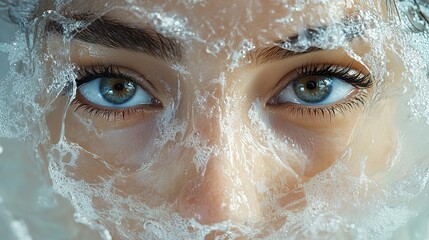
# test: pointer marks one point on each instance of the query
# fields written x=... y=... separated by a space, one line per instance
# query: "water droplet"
x=1 y=149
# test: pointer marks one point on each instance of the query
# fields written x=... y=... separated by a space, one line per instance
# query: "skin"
x=247 y=162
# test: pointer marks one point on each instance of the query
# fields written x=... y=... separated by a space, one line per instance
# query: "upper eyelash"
x=87 y=74
x=347 y=74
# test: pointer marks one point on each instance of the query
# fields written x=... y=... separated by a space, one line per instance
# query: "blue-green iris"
x=313 y=89
x=117 y=90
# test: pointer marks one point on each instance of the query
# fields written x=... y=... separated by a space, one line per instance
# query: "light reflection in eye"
x=315 y=91
x=320 y=89
x=114 y=93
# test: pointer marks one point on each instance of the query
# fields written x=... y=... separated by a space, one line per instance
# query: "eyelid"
x=350 y=75
x=89 y=73
x=92 y=110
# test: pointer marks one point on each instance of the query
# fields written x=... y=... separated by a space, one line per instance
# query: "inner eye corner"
x=157 y=103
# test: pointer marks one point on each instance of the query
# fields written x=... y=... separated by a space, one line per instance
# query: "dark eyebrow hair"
x=275 y=53
x=114 y=34
x=351 y=29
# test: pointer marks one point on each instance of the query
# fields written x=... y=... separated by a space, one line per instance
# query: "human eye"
x=112 y=92
x=322 y=89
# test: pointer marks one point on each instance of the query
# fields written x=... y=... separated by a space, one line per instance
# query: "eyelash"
x=88 y=74
x=347 y=74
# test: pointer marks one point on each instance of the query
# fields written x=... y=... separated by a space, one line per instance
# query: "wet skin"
x=214 y=147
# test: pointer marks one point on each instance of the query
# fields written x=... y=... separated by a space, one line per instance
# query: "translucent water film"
x=199 y=119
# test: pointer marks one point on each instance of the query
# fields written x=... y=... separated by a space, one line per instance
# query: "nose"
x=222 y=189
x=221 y=193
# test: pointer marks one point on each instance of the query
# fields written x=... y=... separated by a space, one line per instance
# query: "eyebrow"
x=278 y=51
x=114 y=34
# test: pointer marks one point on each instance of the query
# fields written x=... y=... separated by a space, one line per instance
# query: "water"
x=257 y=119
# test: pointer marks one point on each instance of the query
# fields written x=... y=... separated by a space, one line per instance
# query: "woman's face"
x=223 y=113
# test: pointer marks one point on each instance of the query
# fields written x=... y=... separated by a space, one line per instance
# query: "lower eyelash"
x=107 y=114
x=87 y=74
x=357 y=79
x=339 y=108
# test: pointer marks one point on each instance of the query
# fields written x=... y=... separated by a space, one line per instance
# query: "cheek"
x=123 y=147
x=375 y=143
x=323 y=150
x=320 y=146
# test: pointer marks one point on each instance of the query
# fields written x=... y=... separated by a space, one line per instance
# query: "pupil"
x=119 y=87
x=311 y=85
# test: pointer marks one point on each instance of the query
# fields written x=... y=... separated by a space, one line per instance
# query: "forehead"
x=206 y=20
